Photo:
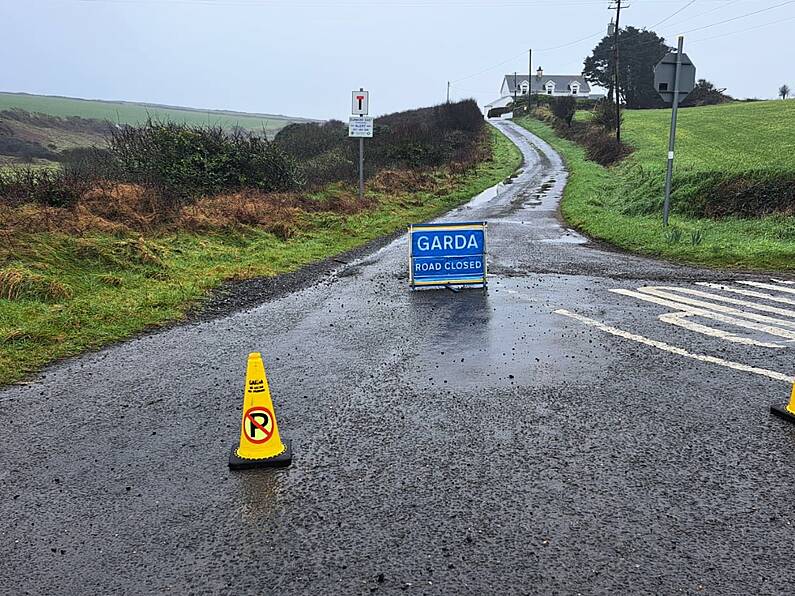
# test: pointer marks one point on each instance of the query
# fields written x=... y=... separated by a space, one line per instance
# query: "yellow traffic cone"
x=786 y=412
x=260 y=444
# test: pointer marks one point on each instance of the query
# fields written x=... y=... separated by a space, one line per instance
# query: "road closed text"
x=462 y=265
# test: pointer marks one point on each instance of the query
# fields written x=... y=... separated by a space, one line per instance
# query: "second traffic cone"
x=260 y=445
x=786 y=412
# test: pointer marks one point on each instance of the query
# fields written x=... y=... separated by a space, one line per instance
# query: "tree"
x=706 y=94
x=564 y=108
x=640 y=51
x=783 y=92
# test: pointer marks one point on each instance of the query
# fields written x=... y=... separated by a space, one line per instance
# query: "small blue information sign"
x=447 y=254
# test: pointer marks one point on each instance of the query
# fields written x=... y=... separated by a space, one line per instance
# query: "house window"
x=575 y=89
x=524 y=88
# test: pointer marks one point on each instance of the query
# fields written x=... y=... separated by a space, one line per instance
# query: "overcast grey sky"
x=303 y=58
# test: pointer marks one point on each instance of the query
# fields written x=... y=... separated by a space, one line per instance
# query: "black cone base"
x=282 y=460
x=783 y=412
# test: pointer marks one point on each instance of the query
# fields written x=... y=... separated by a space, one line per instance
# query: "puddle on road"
x=493 y=338
x=260 y=493
x=569 y=238
x=487 y=195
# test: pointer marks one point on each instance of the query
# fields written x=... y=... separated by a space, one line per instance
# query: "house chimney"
x=540 y=72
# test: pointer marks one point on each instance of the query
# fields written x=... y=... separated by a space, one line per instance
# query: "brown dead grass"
x=130 y=205
x=276 y=213
x=124 y=209
x=17 y=284
x=390 y=181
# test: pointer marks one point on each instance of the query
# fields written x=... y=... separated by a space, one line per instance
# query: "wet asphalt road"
x=446 y=443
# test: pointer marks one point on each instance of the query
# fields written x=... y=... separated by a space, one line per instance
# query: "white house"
x=545 y=84
x=542 y=84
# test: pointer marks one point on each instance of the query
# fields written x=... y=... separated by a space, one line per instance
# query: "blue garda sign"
x=447 y=254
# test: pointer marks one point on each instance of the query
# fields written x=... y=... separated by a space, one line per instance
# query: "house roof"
x=538 y=85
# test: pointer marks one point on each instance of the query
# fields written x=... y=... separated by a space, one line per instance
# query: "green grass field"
x=623 y=205
x=122 y=112
x=82 y=292
x=734 y=137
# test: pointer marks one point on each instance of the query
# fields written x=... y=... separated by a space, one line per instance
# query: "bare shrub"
x=602 y=147
x=564 y=109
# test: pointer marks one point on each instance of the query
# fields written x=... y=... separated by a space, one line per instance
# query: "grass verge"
x=593 y=202
x=64 y=294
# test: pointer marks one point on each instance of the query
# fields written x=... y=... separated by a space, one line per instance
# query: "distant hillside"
x=127 y=112
x=34 y=129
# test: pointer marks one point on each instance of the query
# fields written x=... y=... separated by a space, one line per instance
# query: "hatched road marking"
x=689 y=303
x=675 y=350
x=713 y=306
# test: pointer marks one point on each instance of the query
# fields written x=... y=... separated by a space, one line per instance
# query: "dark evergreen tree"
x=640 y=51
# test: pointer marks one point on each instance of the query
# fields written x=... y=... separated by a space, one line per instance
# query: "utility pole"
x=448 y=91
x=616 y=4
x=529 y=77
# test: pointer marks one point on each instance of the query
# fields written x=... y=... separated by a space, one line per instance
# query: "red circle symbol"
x=258 y=425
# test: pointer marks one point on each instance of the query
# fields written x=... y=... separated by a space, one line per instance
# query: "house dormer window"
x=575 y=88
x=550 y=87
x=524 y=87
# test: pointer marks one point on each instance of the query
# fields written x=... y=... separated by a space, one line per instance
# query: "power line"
x=571 y=43
x=678 y=11
x=742 y=30
x=627 y=37
x=686 y=6
x=722 y=6
x=742 y=16
x=480 y=72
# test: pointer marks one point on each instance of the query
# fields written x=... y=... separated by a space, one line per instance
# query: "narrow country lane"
x=591 y=423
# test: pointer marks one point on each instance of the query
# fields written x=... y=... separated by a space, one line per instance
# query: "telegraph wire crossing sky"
x=302 y=58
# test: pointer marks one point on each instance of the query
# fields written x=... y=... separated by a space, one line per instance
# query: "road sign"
x=360 y=127
x=665 y=77
x=360 y=103
x=447 y=254
x=258 y=425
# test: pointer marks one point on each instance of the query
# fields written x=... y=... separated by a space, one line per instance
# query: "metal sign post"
x=677 y=71
x=360 y=126
x=672 y=136
x=361 y=168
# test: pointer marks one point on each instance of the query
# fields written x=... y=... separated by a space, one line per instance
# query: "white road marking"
x=675 y=350
x=750 y=293
x=758 y=284
x=709 y=314
x=661 y=292
x=680 y=319
x=755 y=305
